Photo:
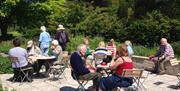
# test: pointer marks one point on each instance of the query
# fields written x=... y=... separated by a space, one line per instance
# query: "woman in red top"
x=122 y=62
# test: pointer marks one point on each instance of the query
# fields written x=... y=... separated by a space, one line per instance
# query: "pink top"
x=124 y=65
x=112 y=48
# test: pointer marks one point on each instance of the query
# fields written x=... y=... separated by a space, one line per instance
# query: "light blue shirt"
x=130 y=51
x=44 y=38
x=21 y=54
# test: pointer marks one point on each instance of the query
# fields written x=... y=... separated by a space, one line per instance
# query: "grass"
x=5 y=65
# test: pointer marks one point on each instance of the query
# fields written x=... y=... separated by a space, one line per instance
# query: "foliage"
x=144 y=51
x=100 y=23
x=75 y=41
x=28 y=14
x=152 y=28
x=5 y=46
x=176 y=47
x=5 y=65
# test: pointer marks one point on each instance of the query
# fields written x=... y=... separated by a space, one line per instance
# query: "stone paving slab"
x=153 y=82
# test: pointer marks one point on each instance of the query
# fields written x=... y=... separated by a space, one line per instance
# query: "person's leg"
x=46 y=50
x=162 y=65
x=92 y=76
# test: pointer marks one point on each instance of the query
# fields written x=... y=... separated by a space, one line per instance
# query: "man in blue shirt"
x=77 y=61
x=44 y=40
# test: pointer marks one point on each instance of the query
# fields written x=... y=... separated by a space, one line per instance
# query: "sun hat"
x=29 y=43
x=60 y=27
x=55 y=42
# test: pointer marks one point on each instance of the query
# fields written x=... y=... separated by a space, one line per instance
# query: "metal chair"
x=81 y=83
x=58 y=68
x=23 y=73
x=136 y=74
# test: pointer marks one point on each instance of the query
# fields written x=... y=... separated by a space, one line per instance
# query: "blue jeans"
x=44 y=49
x=111 y=82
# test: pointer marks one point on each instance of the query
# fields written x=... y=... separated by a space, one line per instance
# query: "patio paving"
x=152 y=83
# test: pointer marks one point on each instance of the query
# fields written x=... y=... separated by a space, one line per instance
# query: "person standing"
x=44 y=40
x=62 y=37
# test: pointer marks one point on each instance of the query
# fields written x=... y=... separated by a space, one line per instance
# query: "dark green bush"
x=75 y=41
x=5 y=65
x=152 y=28
x=176 y=47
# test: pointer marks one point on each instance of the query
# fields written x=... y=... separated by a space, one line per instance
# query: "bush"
x=176 y=47
x=5 y=46
x=75 y=41
x=152 y=28
x=144 y=51
x=5 y=65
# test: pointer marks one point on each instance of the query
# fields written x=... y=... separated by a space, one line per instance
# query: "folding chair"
x=178 y=76
x=59 y=67
x=136 y=74
x=23 y=73
x=81 y=83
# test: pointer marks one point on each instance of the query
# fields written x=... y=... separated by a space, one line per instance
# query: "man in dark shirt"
x=77 y=61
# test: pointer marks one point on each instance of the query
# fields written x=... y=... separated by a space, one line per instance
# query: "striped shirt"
x=169 y=52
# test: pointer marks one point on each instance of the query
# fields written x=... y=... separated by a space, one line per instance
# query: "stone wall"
x=142 y=62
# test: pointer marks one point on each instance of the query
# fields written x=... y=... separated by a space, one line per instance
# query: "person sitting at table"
x=118 y=65
x=112 y=48
x=103 y=50
x=56 y=51
x=78 y=65
x=32 y=49
x=22 y=55
x=89 y=57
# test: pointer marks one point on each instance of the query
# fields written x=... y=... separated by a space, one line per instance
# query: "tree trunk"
x=3 y=27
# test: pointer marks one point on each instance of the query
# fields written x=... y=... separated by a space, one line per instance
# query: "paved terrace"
x=152 y=83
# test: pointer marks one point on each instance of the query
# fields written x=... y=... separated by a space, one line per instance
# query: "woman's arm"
x=115 y=64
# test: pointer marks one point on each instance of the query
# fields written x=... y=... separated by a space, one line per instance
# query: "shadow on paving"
x=174 y=87
x=67 y=88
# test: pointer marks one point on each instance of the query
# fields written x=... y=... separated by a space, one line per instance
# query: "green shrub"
x=75 y=41
x=152 y=28
x=5 y=46
x=5 y=65
x=176 y=47
x=144 y=51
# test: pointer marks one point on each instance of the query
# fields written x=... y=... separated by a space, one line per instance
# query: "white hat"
x=127 y=42
x=43 y=28
x=55 y=42
x=60 y=27
x=29 y=43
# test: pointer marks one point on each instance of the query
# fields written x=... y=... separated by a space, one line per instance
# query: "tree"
x=28 y=13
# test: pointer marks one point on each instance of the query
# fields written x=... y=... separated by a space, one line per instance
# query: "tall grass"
x=144 y=51
x=5 y=65
x=75 y=41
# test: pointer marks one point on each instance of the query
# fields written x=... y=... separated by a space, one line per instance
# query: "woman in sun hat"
x=62 y=37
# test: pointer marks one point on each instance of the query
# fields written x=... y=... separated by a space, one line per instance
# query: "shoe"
x=30 y=80
x=161 y=72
